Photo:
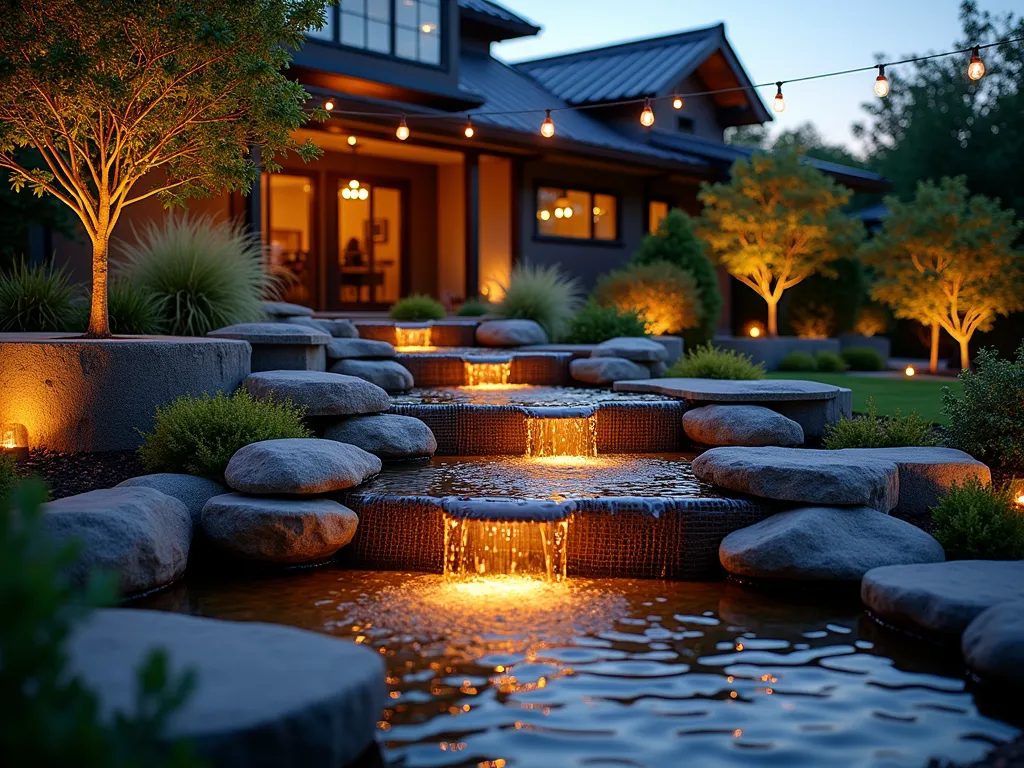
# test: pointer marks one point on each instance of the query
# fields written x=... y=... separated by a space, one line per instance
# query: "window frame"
x=538 y=236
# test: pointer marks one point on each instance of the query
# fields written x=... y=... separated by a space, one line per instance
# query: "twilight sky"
x=775 y=39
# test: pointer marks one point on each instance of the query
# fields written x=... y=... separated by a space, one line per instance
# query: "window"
x=408 y=29
x=577 y=215
x=656 y=211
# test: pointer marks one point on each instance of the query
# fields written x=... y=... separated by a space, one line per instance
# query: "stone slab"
x=320 y=393
x=337 y=328
x=272 y=333
x=285 y=309
x=993 y=645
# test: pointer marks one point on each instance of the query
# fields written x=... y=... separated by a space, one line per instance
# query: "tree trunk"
x=965 y=356
x=933 y=359
x=773 y=318
x=99 y=322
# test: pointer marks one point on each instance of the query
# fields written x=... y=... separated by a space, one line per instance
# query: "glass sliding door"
x=289 y=231
x=370 y=244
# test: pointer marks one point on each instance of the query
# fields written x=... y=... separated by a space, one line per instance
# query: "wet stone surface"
x=523 y=394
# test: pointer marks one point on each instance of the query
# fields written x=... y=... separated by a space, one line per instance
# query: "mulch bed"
x=67 y=474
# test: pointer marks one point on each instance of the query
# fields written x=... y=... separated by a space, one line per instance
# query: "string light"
x=329 y=105
x=469 y=127
x=881 y=83
x=677 y=102
x=352 y=141
x=779 y=103
x=547 y=128
x=976 y=69
x=647 y=116
x=403 y=130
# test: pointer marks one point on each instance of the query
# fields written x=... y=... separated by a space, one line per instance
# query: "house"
x=378 y=217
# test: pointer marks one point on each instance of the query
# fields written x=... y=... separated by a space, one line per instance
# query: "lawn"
x=922 y=395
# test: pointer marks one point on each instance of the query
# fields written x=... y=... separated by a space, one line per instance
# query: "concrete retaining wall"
x=772 y=351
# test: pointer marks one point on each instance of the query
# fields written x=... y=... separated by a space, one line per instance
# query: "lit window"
x=408 y=29
x=657 y=210
x=575 y=214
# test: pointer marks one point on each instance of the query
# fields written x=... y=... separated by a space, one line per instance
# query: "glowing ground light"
x=909 y=371
x=754 y=331
x=1020 y=500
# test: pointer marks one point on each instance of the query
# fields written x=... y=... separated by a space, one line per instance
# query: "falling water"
x=503 y=548
x=488 y=374
x=552 y=432
x=413 y=338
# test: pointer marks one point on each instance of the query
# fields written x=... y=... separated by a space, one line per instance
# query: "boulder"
x=299 y=466
x=282 y=309
x=941 y=598
x=265 y=695
x=337 y=328
x=388 y=436
x=802 y=475
x=606 y=370
x=993 y=644
x=287 y=531
x=140 y=534
x=364 y=349
x=320 y=393
x=657 y=369
x=635 y=348
x=510 y=333
x=748 y=425
x=190 y=490
x=272 y=333
x=386 y=374
x=825 y=544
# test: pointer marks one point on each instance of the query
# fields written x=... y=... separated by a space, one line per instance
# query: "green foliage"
x=776 y=222
x=822 y=307
x=975 y=522
x=872 y=320
x=132 y=310
x=20 y=213
x=987 y=422
x=829 y=362
x=593 y=324
x=419 y=306
x=9 y=476
x=677 y=243
x=199 y=435
x=663 y=295
x=798 y=361
x=51 y=718
x=201 y=274
x=862 y=359
x=709 y=362
x=36 y=298
x=873 y=431
x=475 y=308
x=542 y=294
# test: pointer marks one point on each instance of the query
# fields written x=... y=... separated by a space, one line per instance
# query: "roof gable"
x=496 y=20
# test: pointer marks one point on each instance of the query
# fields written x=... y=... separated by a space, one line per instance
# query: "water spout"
x=413 y=338
x=488 y=372
x=552 y=433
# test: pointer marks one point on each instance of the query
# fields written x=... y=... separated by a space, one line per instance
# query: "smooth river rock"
x=139 y=534
x=606 y=370
x=190 y=490
x=993 y=644
x=802 y=475
x=635 y=348
x=746 y=425
x=510 y=333
x=387 y=374
x=272 y=333
x=320 y=393
x=359 y=349
x=825 y=544
x=281 y=309
x=388 y=435
x=265 y=695
x=286 y=531
x=941 y=598
x=299 y=466
x=337 y=328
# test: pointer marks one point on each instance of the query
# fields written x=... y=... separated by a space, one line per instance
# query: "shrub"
x=201 y=274
x=825 y=304
x=987 y=421
x=708 y=362
x=665 y=297
x=36 y=298
x=419 y=306
x=130 y=310
x=542 y=294
x=862 y=359
x=872 y=319
x=50 y=717
x=593 y=324
x=8 y=473
x=872 y=431
x=475 y=308
x=829 y=362
x=677 y=243
x=812 y=320
x=199 y=435
x=975 y=522
x=798 y=361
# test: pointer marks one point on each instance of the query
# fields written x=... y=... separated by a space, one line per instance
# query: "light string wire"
x=469 y=114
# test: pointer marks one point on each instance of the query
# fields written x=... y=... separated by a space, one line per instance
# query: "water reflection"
x=522 y=394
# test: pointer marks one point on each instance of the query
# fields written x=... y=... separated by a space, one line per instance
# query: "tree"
x=111 y=91
x=776 y=222
x=947 y=258
x=677 y=243
x=804 y=138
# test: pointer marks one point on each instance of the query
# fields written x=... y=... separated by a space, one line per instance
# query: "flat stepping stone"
x=299 y=466
x=272 y=333
x=320 y=393
x=139 y=534
x=606 y=370
x=265 y=695
x=337 y=328
x=361 y=349
x=747 y=425
x=510 y=333
x=285 y=309
x=285 y=531
x=802 y=475
x=387 y=374
x=993 y=644
x=387 y=436
x=825 y=544
x=941 y=598
x=635 y=348
x=190 y=490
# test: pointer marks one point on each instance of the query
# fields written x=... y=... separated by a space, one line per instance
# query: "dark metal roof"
x=494 y=14
x=625 y=71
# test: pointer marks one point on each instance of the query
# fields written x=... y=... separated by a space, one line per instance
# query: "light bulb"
x=567 y=212
x=329 y=105
x=354 y=184
x=976 y=69
x=881 y=83
x=346 y=193
x=403 y=130
x=545 y=215
x=559 y=213
x=363 y=193
x=352 y=141
x=547 y=128
x=647 y=116
x=469 y=127
x=779 y=104
x=677 y=102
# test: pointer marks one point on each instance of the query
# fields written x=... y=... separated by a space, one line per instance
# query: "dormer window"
x=406 y=29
